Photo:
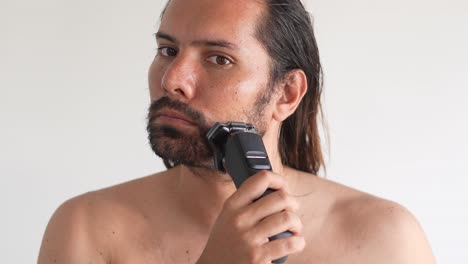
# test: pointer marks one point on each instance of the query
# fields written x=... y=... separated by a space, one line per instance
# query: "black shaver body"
x=239 y=151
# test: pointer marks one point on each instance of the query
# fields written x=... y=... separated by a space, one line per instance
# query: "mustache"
x=168 y=103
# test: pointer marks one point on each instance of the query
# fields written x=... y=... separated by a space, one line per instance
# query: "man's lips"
x=174 y=115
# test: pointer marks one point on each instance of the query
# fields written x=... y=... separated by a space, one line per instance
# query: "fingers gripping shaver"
x=239 y=151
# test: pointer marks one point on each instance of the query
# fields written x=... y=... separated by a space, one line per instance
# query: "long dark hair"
x=287 y=34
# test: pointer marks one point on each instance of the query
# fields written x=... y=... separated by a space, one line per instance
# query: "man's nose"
x=179 y=80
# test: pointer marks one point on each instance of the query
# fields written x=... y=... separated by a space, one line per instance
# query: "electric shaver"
x=239 y=151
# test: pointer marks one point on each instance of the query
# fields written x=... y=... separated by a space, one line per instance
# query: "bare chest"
x=185 y=246
x=178 y=254
x=189 y=252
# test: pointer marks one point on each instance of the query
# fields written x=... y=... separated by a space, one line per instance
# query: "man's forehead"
x=212 y=19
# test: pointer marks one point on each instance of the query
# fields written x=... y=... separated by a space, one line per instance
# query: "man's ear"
x=290 y=93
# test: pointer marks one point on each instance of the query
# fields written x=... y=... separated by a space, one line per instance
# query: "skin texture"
x=189 y=215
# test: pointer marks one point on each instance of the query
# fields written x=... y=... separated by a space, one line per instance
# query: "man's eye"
x=220 y=60
x=167 y=51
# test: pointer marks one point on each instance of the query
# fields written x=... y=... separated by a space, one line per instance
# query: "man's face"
x=209 y=68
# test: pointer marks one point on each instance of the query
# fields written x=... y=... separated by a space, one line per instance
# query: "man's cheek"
x=155 y=76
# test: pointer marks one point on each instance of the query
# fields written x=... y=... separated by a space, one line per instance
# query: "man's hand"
x=241 y=232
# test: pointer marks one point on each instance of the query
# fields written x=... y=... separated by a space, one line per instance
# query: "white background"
x=73 y=100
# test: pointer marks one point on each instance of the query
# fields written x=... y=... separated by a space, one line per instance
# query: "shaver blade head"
x=218 y=135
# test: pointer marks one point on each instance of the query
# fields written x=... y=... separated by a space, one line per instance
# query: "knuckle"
x=264 y=175
x=299 y=244
x=287 y=200
x=283 y=195
x=237 y=221
x=286 y=217
x=229 y=203
x=289 y=245
x=254 y=256
x=294 y=244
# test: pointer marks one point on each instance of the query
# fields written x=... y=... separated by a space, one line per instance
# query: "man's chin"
x=208 y=171
x=181 y=149
x=208 y=164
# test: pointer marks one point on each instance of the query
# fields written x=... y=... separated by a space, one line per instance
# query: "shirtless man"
x=247 y=61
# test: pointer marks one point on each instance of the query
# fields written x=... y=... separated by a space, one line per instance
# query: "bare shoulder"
x=366 y=228
x=382 y=230
x=89 y=228
x=71 y=228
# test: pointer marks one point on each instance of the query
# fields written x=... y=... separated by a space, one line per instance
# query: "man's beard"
x=176 y=147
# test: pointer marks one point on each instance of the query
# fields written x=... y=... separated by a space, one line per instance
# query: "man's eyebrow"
x=161 y=35
x=216 y=43
x=207 y=43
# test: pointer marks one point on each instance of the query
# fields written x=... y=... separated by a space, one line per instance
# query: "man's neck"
x=202 y=192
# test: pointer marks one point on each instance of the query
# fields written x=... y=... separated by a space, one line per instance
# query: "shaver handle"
x=245 y=155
